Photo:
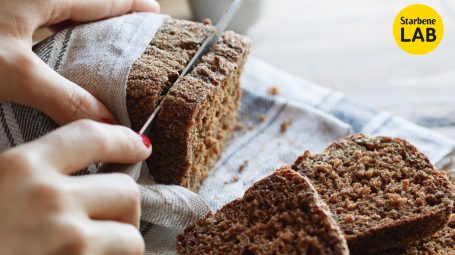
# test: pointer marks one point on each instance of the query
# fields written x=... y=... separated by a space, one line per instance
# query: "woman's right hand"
x=45 y=211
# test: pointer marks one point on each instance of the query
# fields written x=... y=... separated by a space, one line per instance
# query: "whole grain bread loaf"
x=198 y=114
x=382 y=191
x=280 y=214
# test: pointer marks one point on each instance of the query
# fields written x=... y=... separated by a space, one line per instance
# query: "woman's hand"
x=45 y=211
x=26 y=79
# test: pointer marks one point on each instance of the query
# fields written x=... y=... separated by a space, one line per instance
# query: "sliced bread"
x=382 y=191
x=198 y=115
x=441 y=243
x=280 y=214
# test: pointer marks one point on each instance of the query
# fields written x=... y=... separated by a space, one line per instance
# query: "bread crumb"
x=207 y=22
x=235 y=178
x=243 y=166
x=262 y=118
x=419 y=202
x=333 y=199
x=238 y=126
x=218 y=61
x=274 y=91
x=284 y=126
x=349 y=218
x=395 y=200
x=405 y=185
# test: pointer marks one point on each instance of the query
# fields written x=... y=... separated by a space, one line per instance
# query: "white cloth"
x=98 y=57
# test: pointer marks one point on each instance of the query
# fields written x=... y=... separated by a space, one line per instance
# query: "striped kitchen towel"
x=261 y=148
x=276 y=129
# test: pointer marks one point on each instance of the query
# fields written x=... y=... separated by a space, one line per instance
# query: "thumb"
x=35 y=84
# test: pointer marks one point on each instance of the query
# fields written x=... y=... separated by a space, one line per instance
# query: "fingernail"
x=156 y=6
x=145 y=140
x=107 y=121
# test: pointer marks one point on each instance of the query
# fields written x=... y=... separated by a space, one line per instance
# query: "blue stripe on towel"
x=252 y=106
x=353 y=114
x=435 y=122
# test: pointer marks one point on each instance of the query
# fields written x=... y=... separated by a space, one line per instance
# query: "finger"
x=89 y=10
x=108 y=197
x=112 y=238
x=83 y=142
x=145 y=6
x=37 y=85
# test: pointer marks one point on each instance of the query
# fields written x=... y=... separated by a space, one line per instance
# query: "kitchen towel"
x=276 y=129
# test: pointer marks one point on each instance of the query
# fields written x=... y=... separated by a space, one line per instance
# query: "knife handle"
x=133 y=170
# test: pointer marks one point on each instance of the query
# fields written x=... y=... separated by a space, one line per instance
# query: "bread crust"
x=399 y=233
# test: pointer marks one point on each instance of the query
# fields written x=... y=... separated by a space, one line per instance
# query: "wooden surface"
x=348 y=46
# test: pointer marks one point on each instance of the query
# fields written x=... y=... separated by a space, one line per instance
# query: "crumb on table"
x=284 y=126
x=238 y=126
x=274 y=91
x=243 y=166
x=207 y=22
x=235 y=178
x=262 y=118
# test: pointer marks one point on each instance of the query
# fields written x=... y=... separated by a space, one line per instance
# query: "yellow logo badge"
x=418 y=29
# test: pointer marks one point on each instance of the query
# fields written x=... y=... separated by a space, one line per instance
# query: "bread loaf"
x=198 y=114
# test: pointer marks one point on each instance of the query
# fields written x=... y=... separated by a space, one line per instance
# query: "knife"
x=134 y=170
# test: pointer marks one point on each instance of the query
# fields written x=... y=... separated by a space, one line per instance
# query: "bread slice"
x=382 y=191
x=443 y=242
x=160 y=65
x=198 y=115
x=280 y=214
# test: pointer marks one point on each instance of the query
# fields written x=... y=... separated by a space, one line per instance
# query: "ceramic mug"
x=214 y=9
